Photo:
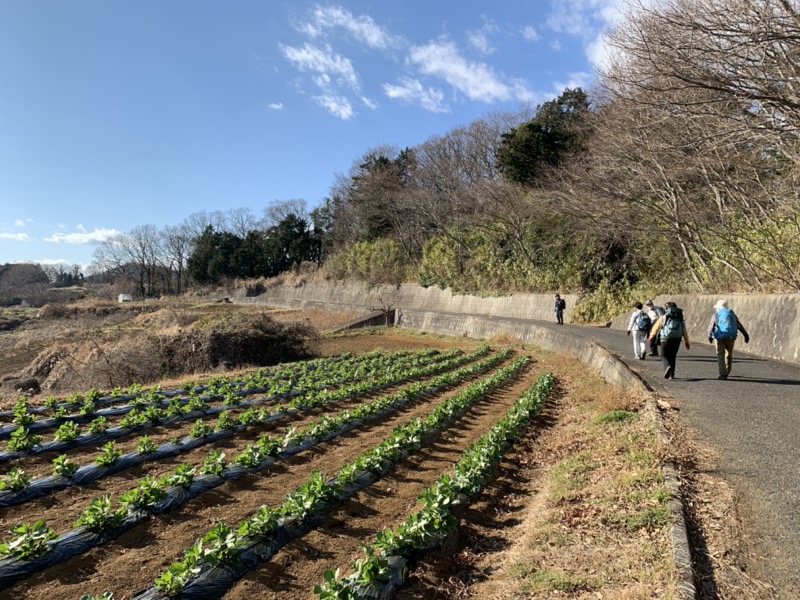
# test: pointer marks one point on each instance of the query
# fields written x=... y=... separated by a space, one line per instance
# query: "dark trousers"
x=560 y=317
x=669 y=351
x=654 y=344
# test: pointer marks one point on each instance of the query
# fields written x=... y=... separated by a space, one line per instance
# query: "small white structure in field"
x=124 y=298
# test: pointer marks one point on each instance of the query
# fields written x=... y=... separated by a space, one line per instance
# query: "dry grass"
x=585 y=501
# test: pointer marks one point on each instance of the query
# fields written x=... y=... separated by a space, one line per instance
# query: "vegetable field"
x=322 y=479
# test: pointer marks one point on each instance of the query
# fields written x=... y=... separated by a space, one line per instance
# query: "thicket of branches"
x=677 y=173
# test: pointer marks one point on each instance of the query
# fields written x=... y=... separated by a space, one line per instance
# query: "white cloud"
x=580 y=79
x=530 y=34
x=96 y=237
x=275 y=106
x=338 y=106
x=16 y=237
x=81 y=228
x=322 y=61
x=479 y=39
x=369 y=103
x=476 y=80
x=556 y=45
x=586 y=20
x=412 y=91
x=362 y=28
x=19 y=223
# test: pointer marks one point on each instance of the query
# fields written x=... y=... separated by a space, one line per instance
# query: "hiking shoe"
x=668 y=373
x=722 y=377
x=653 y=354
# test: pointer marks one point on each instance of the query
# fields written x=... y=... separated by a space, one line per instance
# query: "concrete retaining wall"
x=527 y=332
x=354 y=297
x=772 y=320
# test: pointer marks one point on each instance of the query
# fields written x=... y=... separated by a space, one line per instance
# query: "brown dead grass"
x=578 y=511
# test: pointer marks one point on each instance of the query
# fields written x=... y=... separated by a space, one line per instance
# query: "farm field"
x=275 y=440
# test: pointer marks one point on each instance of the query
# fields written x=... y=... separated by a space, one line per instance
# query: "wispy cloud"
x=95 y=237
x=413 y=92
x=16 y=237
x=530 y=34
x=323 y=61
x=476 y=80
x=19 y=223
x=363 y=28
x=369 y=103
x=338 y=106
x=275 y=105
x=479 y=39
x=587 y=20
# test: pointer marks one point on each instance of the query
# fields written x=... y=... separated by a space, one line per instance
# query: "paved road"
x=753 y=421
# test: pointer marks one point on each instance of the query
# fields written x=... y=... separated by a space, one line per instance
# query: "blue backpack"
x=673 y=324
x=643 y=322
x=726 y=325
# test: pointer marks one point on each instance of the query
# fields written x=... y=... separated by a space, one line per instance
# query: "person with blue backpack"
x=671 y=329
x=723 y=330
x=639 y=324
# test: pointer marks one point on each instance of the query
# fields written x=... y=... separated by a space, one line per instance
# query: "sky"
x=120 y=113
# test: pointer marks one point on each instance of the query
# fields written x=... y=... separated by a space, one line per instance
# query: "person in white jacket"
x=639 y=324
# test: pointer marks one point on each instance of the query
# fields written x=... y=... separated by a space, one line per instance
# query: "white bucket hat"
x=721 y=304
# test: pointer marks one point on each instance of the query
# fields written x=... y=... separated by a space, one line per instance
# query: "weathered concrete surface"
x=354 y=297
x=772 y=320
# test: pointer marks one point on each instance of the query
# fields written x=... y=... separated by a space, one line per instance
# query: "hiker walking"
x=670 y=328
x=560 y=306
x=722 y=332
x=654 y=312
x=639 y=324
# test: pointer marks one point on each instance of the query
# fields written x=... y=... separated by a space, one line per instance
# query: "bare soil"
x=501 y=549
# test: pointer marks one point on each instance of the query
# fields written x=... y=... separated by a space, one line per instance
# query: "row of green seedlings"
x=68 y=434
x=442 y=504
x=31 y=541
x=23 y=413
x=216 y=385
x=16 y=481
x=229 y=392
x=223 y=545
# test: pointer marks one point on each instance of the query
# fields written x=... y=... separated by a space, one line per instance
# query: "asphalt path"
x=752 y=420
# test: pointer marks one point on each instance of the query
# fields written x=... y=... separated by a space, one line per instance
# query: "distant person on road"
x=722 y=332
x=670 y=327
x=654 y=312
x=560 y=306
x=640 y=325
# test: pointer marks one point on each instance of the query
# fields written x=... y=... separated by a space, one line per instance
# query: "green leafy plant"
x=99 y=425
x=68 y=432
x=29 y=541
x=144 y=497
x=103 y=596
x=110 y=455
x=214 y=464
x=22 y=440
x=62 y=467
x=145 y=445
x=88 y=408
x=21 y=414
x=225 y=421
x=100 y=515
x=15 y=480
x=200 y=429
x=182 y=477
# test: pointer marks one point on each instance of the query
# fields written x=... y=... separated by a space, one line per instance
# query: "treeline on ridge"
x=674 y=173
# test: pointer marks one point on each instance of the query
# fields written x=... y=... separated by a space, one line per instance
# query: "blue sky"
x=118 y=113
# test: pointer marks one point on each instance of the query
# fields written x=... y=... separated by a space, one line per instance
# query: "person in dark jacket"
x=559 y=309
x=723 y=330
x=654 y=312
